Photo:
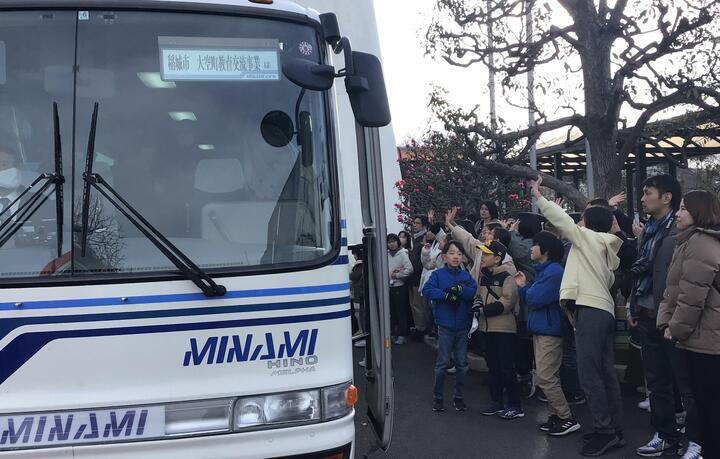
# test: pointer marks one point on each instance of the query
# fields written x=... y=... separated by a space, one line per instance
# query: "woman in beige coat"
x=690 y=311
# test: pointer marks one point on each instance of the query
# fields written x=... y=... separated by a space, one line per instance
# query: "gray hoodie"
x=399 y=261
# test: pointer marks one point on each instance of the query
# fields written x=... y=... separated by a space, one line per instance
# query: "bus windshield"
x=181 y=100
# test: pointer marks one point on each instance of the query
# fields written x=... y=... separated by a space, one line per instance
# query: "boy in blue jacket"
x=451 y=290
x=542 y=298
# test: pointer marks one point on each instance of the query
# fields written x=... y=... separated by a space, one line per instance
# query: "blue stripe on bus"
x=117 y=301
x=24 y=347
x=8 y=324
x=342 y=260
x=343 y=242
x=343 y=224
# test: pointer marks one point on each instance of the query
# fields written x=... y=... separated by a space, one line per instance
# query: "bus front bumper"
x=273 y=443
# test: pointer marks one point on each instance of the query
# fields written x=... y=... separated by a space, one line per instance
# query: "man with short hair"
x=418 y=307
x=664 y=364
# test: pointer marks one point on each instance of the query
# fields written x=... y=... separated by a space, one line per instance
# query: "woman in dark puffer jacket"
x=690 y=311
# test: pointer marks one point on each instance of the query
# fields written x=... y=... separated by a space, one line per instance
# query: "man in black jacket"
x=664 y=364
x=417 y=302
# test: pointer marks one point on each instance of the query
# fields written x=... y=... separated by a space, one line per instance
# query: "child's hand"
x=450 y=217
x=520 y=279
x=535 y=187
x=618 y=199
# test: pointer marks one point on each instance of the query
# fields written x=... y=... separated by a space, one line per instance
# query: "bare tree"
x=634 y=59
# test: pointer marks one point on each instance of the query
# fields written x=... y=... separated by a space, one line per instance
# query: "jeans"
x=666 y=368
x=399 y=308
x=450 y=343
x=500 y=358
x=594 y=338
x=569 y=369
x=705 y=381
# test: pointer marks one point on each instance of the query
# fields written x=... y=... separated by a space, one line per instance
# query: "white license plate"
x=77 y=427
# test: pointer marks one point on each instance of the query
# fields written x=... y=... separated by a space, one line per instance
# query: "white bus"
x=173 y=258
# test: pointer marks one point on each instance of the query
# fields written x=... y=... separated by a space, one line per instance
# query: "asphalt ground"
x=421 y=433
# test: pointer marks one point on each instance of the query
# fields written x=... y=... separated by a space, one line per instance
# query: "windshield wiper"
x=17 y=219
x=175 y=255
x=59 y=219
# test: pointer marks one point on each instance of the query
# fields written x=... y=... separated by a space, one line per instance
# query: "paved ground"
x=421 y=433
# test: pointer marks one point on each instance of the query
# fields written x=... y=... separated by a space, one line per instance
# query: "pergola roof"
x=677 y=139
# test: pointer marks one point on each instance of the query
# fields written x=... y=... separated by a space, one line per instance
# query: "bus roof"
x=275 y=5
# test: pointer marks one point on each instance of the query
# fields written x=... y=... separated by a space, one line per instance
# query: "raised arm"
x=555 y=214
x=461 y=235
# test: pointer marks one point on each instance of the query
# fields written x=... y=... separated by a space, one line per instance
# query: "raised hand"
x=615 y=226
x=617 y=199
x=450 y=217
x=431 y=215
x=520 y=279
x=560 y=202
x=535 y=186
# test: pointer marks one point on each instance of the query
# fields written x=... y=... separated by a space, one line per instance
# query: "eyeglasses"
x=417 y=222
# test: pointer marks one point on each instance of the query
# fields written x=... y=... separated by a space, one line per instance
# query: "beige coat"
x=590 y=264
x=691 y=304
x=507 y=292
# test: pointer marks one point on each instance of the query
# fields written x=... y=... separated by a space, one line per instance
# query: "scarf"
x=420 y=233
x=655 y=231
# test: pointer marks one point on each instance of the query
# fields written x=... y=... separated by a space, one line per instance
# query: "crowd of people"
x=537 y=296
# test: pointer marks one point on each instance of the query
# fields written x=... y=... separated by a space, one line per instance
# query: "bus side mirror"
x=366 y=89
x=309 y=75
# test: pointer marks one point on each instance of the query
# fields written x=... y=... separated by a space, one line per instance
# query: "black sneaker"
x=459 y=404
x=545 y=426
x=438 y=405
x=598 y=444
x=564 y=427
x=575 y=399
x=621 y=437
x=493 y=409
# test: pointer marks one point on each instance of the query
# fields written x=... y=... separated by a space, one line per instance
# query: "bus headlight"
x=338 y=400
x=276 y=409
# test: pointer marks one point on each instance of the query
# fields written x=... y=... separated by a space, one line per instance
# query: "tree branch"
x=527 y=173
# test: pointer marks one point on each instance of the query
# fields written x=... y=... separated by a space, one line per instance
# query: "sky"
x=409 y=74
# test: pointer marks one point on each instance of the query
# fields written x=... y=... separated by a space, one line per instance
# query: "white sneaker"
x=658 y=447
x=362 y=363
x=360 y=343
x=644 y=405
x=693 y=451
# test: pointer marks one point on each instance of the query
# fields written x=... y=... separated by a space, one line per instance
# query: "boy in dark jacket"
x=451 y=290
x=545 y=322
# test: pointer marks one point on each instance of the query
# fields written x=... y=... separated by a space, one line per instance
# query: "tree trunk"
x=607 y=172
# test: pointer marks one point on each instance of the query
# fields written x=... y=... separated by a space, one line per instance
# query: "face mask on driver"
x=10 y=178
